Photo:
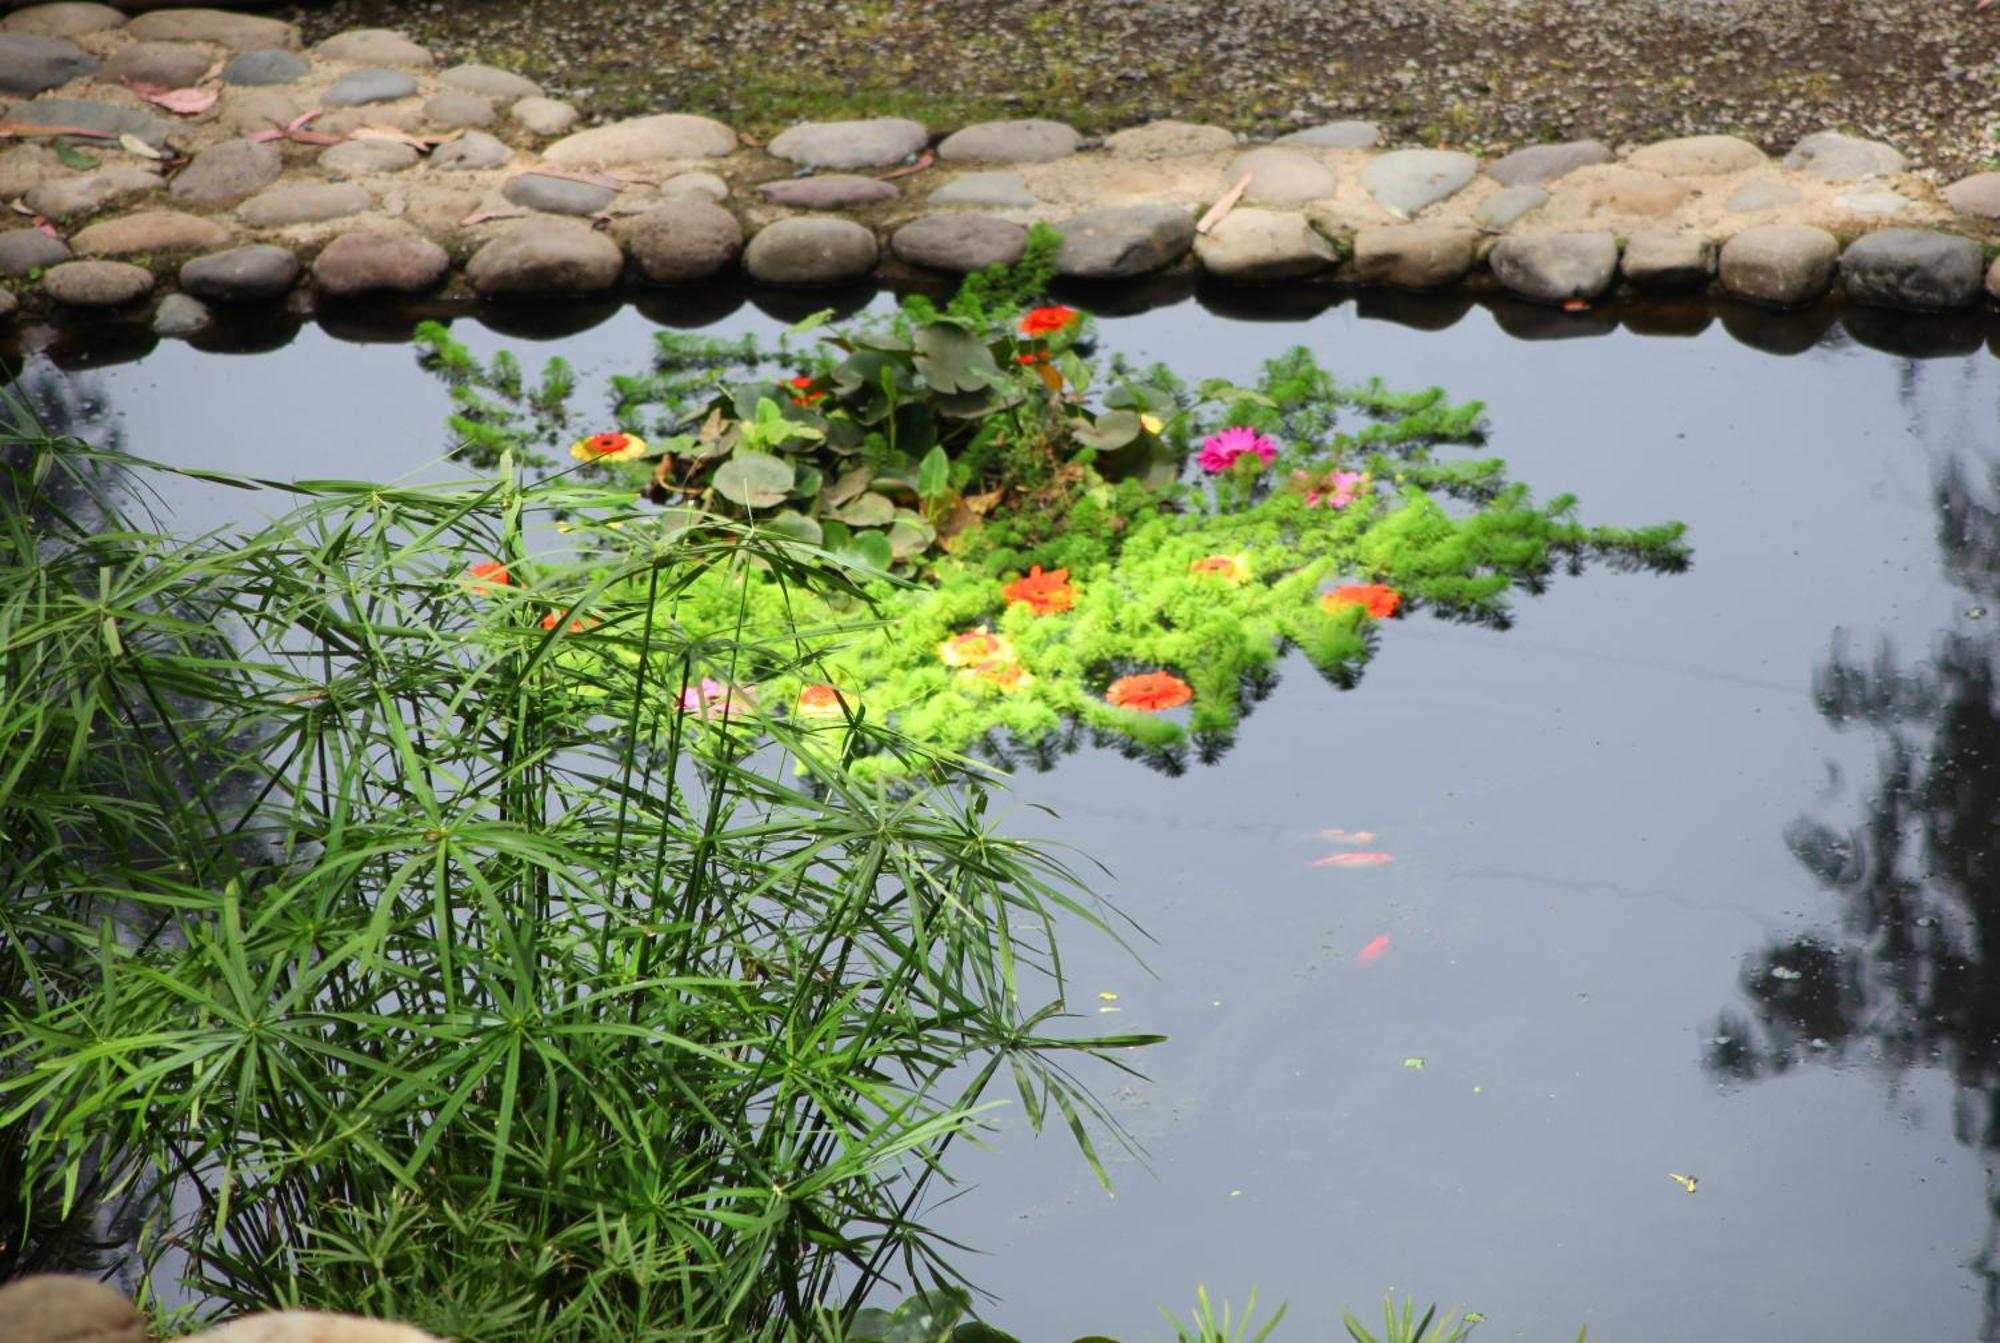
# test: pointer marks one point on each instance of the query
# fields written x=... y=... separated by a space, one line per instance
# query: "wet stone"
x=1659 y=261
x=558 y=195
x=1169 y=139
x=1336 y=135
x=379 y=262
x=1977 y=195
x=1282 y=176
x=670 y=135
x=253 y=274
x=1784 y=265
x=30 y=63
x=174 y=64
x=358 y=158
x=94 y=116
x=229 y=171
x=1004 y=191
x=1029 y=141
x=1919 y=270
x=875 y=143
x=1413 y=256
x=66 y=18
x=181 y=315
x=546 y=256
x=959 y=242
x=682 y=241
x=457 y=110
x=1762 y=195
x=97 y=284
x=1123 y=240
x=502 y=86
x=229 y=30
x=811 y=251
x=1259 y=246
x=1538 y=165
x=92 y=191
x=830 y=191
x=1407 y=180
x=470 y=152
x=1836 y=157
x=542 y=116
x=304 y=203
x=1499 y=211
x=374 y=46
x=358 y=88
x=148 y=232
x=29 y=249
x=1555 y=267
x=1698 y=156
x=266 y=65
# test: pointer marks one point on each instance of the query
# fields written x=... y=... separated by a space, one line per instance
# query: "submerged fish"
x=1360 y=858
x=1373 y=949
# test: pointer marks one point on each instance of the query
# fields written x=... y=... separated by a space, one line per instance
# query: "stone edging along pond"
x=223 y=161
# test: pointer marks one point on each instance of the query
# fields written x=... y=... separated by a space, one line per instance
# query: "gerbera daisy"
x=612 y=447
x=1378 y=599
x=1045 y=594
x=1337 y=490
x=819 y=701
x=974 y=647
x=577 y=626
x=485 y=577
x=1046 y=321
x=1220 y=451
x=1009 y=677
x=1231 y=569
x=1149 y=692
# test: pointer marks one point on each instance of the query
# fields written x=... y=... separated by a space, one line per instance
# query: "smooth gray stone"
x=1280 y=177
x=1502 y=208
x=1117 y=241
x=63 y=18
x=97 y=284
x=1407 y=180
x=558 y=195
x=1029 y=141
x=181 y=315
x=1659 y=260
x=358 y=88
x=304 y=203
x=174 y=64
x=959 y=242
x=358 y=158
x=1539 y=165
x=873 y=143
x=1765 y=195
x=93 y=116
x=455 y=109
x=1335 y=135
x=811 y=251
x=1252 y=245
x=266 y=65
x=1555 y=267
x=1977 y=195
x=379 y=262
x=1784 y=265
x=1003 y=191
x=1413 y=256
x=1919 y=270
x=682 y=241
x=92 y=191
x=229 y=171
x=829 y=191
x=470 y=152
x=256 y=273
x=1844 y=158
x=30 y=63
x=29 y=249
x=502 y=86
x=546 y=256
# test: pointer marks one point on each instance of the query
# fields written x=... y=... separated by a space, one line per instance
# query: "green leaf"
x=952 y=359
x=872 y=549
x=808 y=482
x=1141 y=396
x=867 y=509
x=797 y=526
x=849 y=484
x=910 y=536
x=869 y=1324
x=934 y=474
x=928 y=1317
x=811 y=322
x=71 y=157
x=976 y=1331
x=753 y=479
x=1114 y=429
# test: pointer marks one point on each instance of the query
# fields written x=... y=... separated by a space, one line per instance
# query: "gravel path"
x=1486 y=75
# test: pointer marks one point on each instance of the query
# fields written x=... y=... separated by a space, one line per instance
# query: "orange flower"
x=1046 y=321
x=1007 y=676
x=577 y=626
x=1045 y=594
x=483 y=578
x=1150 y=692
x=819 y=701
x=801 y=386
x=1378 y=599
x=1231 y=569
x=1030 y=360
x=975 y=647
x=608 y=448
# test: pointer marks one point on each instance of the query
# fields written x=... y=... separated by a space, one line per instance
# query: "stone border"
x=228 y=167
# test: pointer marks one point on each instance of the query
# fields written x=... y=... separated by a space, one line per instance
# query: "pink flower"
x=1335 y=491
x=1220 y=451
x=713 y=699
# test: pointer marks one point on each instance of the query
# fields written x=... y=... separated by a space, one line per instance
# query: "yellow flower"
x=612 y=447
x=1008 y=677
x=1231 y=569
x=974 y=647
x=1153 y=423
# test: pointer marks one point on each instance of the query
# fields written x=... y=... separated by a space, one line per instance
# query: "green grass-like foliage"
x=407 y=942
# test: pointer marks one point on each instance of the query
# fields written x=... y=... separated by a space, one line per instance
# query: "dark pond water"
x=1695 y=874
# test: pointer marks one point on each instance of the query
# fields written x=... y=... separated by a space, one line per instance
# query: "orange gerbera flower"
x=1008 y=676
x=974 y=647
x=1150 y=692
x=1045 y=594
x=1231 y=569
x=577 y=626
x=802 y=393
x=608 y=448
x=819 y=701
x=1046 y=321
x=485 y=577
x=1378 y=599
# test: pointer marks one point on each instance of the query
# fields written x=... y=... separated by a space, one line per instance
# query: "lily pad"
x=753 y=479
x=1114 y=429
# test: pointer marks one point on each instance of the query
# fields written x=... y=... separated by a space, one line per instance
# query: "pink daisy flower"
x=1219 y=451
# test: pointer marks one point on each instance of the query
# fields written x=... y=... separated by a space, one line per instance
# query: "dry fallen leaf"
x=922 y=163
x=1221 y=208
x=36 y=128
x=592 y=179
x=484 y=215
x=378 y=131
x=186 y=102
x=132 y=144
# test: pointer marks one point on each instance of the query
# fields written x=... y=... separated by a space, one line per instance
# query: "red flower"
x=1046 y=321
x=1150 y=692
x=1378 y=599
x=608 y=448
x=1045 y=594
x=802 y=386
x=820 y=701
x=577 y=626
x=1030 y=360
x=485 y=577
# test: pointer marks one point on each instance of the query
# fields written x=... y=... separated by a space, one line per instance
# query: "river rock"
x=1539 y=165
x=1414 y=256
x=682 y=241
x=1169 y=139
x=491 y=82
x=379 y=262
x=1764 y=194
x=1617 y=190
x=359 y=158
x=1010 y=142
x=542 y=116
x=1498 y=211
x=148 y=232
x=95 y=116
x=266 y=65
x=874 y=143
x=1257 y=245
x=92 y=191
x=1843 y=158
x=1282 y=176
x=251 y=111
x=1406 y=180
x=812 y=251
x=1555 y=267
x=1977 y=195
x=231 y=31
x=358 y=88
x=60 y=1308
x=174 y=64
x=1876 y=200
x=558 y=195
x=1698 y=156
x=30 y=63
x=65 y=18
x=1336 y=135
x=830 y=191
x=959 y=241
x=96 y=284
x=374 y=46
x=29 y=249
x=1005 y=191
x=1921 y=270
x=229 y=171
x=471 y=152
x=1658 y=260
x=180 y=315
x=699 y=186
x=1116 y=241
x=436 y=207
x=456 y=109
x=1780 y=264
x=1993 y=280
x=304 y=203
x=301 y=1326
x=25 y=167
x=671 y=135
x=546 y=256
x=253 y=274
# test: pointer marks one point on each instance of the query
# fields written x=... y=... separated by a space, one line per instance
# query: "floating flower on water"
x=608 y=448
x=1337 y=490
x=483 y=578
x=1220 y=451
x=1363 y=858
x=1007 y=676
x=712 y=699
x=974 y=647
x=1373 y=949
x=1150 y=692
x=1231 y=569
x=802 y=392
x=577 y=626
x=1046 y=321
x=819 y=701
x=1378 y=599
x=1045 y=594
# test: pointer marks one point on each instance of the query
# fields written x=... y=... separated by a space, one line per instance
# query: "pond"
x=1688 y=874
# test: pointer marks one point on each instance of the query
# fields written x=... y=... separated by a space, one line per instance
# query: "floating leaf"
x=1686 y=1182
x=868 y=1325
x=753 y=479
x=1413 y=1062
